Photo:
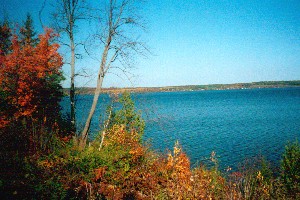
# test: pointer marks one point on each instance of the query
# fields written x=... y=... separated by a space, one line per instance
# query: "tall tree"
x=119 y=45
x=5 y=48
x=28 y=35
x=67 y=14
x=30 y=79
x=5 y=35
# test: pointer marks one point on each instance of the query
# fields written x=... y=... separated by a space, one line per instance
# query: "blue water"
x=236 y=124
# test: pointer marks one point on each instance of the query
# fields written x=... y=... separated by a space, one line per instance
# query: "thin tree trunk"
x=86 y=129
x=72 y=88
x=104 y=129
x=101 y=74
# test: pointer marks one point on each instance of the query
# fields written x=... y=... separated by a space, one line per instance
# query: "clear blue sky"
x=204 y=42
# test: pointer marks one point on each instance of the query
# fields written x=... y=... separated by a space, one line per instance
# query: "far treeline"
x=253 y=85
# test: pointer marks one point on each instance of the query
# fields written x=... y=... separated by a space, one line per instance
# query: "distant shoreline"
x=253 y=85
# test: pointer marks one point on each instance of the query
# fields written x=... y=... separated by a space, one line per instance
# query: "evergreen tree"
x=28 y=35
x=5 y=35
x=5 y=48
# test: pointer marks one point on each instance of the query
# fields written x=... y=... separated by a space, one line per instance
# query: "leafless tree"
x=66 y=16
x=120 y=43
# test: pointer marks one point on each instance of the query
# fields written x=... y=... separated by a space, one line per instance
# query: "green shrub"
x=127 y=115
x=290 y=166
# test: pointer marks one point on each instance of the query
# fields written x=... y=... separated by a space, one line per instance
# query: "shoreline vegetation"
x=234 y=86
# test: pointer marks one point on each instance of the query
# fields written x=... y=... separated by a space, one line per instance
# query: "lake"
x=236 y=124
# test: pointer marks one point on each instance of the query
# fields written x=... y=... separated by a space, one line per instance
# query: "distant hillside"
x=262 y=84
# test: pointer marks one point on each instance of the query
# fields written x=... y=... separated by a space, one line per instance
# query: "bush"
x=290 y=166
x=127 y=115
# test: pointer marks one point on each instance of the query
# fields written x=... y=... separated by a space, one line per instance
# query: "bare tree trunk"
x=72 y=88
x=66 y=15
x=101 y=74
x=86 y=129
x=104 y=129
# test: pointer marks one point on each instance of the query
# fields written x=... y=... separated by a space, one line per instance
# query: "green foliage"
x=50 y=94
x=44 y=183
x=266 y=170
x=127 y=115
x=28 y=35
x=72 y=173
x=5 y=107
x=290 y=166
x=5 y=35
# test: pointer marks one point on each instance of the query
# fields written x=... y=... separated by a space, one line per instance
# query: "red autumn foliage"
x=24 y=72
